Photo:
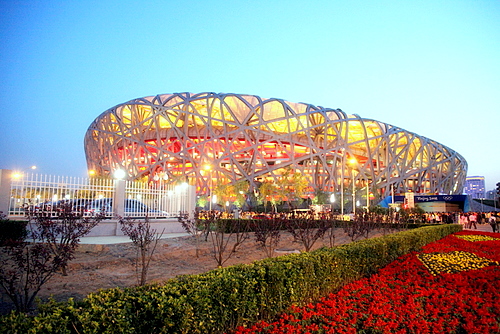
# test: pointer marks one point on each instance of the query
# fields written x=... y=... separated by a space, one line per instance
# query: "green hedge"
x=219 y=300
x=251 y=225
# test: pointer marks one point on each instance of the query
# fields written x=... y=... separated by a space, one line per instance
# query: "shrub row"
x=219 y=300
x=252 y=225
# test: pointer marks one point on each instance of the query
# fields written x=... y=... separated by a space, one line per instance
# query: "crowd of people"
x=469 y=220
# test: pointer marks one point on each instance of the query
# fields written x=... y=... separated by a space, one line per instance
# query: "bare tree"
x=223 y=233
x=361 y=226
x=27 y=264
x=62 y=233
x=307 y=230
x=25 y=268
x=268 y=233
x=145 y=239
x=331 y=223
x=192 y=226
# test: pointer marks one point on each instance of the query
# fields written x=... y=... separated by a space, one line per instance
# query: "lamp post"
x=367 y=195
x=353 y=162
x=342 y=186
x=208 y=168
x=332 y=200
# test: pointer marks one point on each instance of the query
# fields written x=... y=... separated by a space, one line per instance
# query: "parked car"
x=49 y=206
x=261 y=216
x=132 y=208
x=79 y=204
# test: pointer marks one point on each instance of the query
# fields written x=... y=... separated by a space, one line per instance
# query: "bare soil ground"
x=108 y=266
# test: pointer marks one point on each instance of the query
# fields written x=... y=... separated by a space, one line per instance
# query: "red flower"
x=404 y=297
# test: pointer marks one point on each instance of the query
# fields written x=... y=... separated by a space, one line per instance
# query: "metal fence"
x=92 y=196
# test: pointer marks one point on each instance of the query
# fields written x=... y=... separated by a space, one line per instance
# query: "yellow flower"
x=476 y=237
x=453 y=262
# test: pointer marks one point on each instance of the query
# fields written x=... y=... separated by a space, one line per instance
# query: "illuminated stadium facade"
x=245 y=137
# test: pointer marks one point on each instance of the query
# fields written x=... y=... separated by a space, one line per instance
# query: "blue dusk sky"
x=430 y=67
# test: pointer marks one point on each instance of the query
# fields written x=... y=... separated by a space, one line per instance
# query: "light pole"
x=332 y=200
x=353 y=162
x=208 y=168
x=367 y=196
x=342 y=186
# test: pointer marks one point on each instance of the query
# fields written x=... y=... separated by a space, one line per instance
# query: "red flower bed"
x=451 y=286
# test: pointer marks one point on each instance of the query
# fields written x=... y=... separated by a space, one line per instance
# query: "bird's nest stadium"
x=246 y=137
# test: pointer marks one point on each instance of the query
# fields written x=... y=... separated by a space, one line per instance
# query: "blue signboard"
x=460 y=200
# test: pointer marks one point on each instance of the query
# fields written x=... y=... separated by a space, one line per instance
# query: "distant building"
x=474 y=186
x=491 y=194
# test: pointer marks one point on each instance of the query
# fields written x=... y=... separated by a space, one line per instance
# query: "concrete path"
x=120 y=239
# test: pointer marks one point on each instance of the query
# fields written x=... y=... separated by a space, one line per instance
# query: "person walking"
x=497 y=220
x=493 y=223
x=463 y=220
x=473 y=220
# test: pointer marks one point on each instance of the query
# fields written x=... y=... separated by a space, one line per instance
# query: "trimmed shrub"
x=221 y=299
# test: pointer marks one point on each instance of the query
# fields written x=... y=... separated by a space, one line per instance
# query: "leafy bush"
x=219 y=300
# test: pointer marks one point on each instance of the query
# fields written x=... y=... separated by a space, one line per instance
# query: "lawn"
x=450 y=286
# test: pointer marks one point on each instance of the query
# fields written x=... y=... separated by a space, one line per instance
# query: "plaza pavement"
x=120 y=239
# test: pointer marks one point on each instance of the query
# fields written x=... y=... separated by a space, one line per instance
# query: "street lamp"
x=208 y=168
x=332 y=200
x=342 y=185
x=119 y=174
x=353 y=162
x=367 y=195
x=17 y=175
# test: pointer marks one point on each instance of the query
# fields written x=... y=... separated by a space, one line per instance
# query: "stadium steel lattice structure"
x=245 y=137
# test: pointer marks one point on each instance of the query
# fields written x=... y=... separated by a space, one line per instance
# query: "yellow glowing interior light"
x=273 y=110
x=126 y=115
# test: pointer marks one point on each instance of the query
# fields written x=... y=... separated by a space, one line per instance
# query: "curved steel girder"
x=247 y=137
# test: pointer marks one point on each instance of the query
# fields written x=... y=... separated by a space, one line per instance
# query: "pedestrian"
x=473 y=220
x=497 y=220
x=493 y=223
x=463 y=220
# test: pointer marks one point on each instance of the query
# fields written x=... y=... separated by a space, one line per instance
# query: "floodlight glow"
x=119 y=174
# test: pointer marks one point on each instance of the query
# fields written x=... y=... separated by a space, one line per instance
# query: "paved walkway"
x=481 y=227
x=120 y=239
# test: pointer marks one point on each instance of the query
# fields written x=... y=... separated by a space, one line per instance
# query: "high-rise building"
x=491 y=194
x=474 y=186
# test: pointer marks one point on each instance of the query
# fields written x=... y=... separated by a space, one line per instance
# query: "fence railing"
x=92 y=196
